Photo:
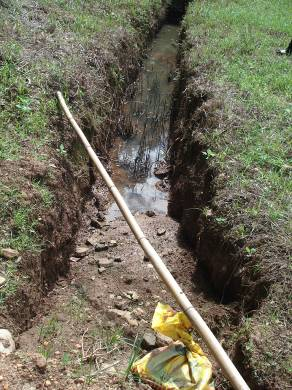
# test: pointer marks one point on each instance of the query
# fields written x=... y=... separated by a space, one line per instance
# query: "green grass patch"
x=12 y=282
x=238 y=41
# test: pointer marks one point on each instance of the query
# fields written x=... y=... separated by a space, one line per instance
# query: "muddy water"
x=147 y=117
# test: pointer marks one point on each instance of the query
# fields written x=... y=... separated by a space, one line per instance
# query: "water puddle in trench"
x=147 y=115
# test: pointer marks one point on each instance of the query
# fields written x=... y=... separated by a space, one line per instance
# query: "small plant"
x=49 y=329
x=62 y=150
x=220 y=220
x=24 y=104
x=66 y=359
x=136 y=351
x=249 y=251
x=209 y=154
x=12 y=282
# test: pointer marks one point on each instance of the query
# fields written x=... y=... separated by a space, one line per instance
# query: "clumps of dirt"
x=243 y=259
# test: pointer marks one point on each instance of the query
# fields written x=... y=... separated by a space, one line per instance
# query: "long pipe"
x=197 y=321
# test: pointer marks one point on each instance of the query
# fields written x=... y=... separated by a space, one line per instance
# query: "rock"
x=162 y=341
x=82 y=251
x=132 y=295
x=118 y=259
x=139 y=313
x=112 y=243
x=162 y=170
x=93 y=240
x=9 y=253
x=101 y=270
x=150 y=213
x=161 y=232
x=148 y=341
x=7 y=344
x=128 y=280
x=79 y=380
x=100 y=216
x=99 y=247
x=2 y=281
x=95 y=223
x=28 y=386
x=40 y=361
x=104 y=262
x=126 y=315
x=109 y=368
x=145 y=279
x=121 y=305
x=124 y=232
x=48 y=383
x=74 y=259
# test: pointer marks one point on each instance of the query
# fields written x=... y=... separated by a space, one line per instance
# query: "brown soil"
x=81 y=304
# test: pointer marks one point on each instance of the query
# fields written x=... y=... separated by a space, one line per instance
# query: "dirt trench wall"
x=197 y=194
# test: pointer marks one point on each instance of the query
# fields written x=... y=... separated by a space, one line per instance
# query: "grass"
x=233 y=44
x=239 y=43
x=12 y=282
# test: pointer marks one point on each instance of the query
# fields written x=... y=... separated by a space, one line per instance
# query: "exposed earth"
x=107 y=302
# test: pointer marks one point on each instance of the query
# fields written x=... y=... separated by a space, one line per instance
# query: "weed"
x=12 y=282
x=136 y=352
x=209 y=154
x=46 y=195
x=49 y=329
x=76 y=308
x=249 y=251
x=62 y=150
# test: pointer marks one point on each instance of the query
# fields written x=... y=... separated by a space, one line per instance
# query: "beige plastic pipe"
x=199 y=324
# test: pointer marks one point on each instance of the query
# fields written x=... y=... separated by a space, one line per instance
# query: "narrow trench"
x=140 y=163
x=140 y=154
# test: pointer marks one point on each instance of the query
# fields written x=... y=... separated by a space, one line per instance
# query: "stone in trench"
x=150 y=213
x=7 y=344
x=92 y=240
x=162 y=341
x=105 y=262
x=2 y=281
x=95 y=223
x=112 y=243
x=82 y=251
x=161 y=232
x=161 y=171
x=139 y=313
x=132 y=295
x=9 y=253
x=121 y=305
x=99 y=247
x=40 y=361
x=109 y=368
x=148 y=341
x=100 y=216
x=126 y=315
x=28 y=386
x=74 y=259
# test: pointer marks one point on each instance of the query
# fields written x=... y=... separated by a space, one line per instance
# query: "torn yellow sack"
x=182 y=364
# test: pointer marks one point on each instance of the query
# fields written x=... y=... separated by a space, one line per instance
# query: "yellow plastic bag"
x=181 y=365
